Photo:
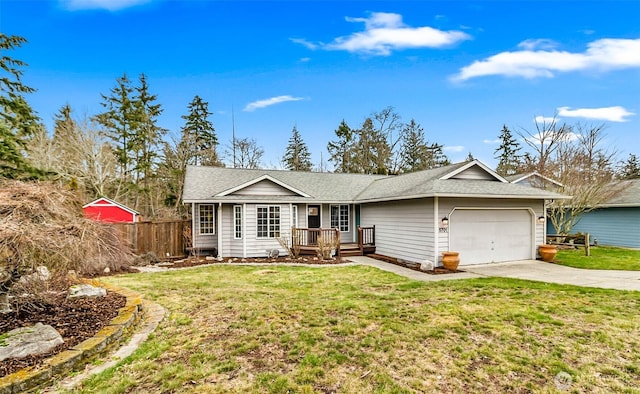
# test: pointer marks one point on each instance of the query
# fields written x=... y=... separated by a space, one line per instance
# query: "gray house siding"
x=264 y=188
x=611 y=226
x=203 y=241
x=403 y=228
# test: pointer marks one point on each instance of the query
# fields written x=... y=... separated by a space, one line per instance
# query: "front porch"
x=305 y=240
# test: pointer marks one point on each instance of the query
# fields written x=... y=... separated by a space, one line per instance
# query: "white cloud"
x=109 y=5
x=305 y=60
x=303 y=42
x=533 y=61
x=612 y=114
x=453 y=148
x=546 y=119
x=491 y=142
x=270 y=101
x=385 y=32
x=541 y=43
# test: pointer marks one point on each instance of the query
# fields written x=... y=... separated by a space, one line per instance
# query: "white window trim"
x=237 y=208
x=294 y=216
x=213 y=219
x=339 y=217
x=268 y=218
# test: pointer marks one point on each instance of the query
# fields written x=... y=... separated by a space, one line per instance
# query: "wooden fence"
x=163 y=238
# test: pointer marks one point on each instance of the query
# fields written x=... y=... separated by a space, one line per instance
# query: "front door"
x=313 y=216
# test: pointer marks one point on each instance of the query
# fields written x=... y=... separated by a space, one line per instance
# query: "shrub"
x=41 y=224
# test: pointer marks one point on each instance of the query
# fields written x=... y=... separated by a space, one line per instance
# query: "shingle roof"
x=207 y=183
x=629 y=195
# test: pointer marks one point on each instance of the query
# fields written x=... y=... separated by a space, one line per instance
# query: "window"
x=340 y=217
x=294 y=216
x=237 y=221
x=206 y=219
x=269 y=221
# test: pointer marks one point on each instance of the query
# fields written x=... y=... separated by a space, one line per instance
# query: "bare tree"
x=248 y=153
x=574 y=156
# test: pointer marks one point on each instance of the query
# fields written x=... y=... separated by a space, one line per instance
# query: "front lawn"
x=361 y=330
x=602 y=258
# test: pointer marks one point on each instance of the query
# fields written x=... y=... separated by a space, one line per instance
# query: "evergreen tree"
x=147 y=140
x=199 y=134
x=630 y=169
x=341 y=150
x=119 y=122
x=414 y=153
x=469 y=157
x=18 y=121
x=507 y=153
x=297 y=156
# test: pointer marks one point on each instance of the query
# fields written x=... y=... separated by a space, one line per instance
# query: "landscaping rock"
x=426 y=265
x=86 y=291
x=41 y=274
x=26 y=341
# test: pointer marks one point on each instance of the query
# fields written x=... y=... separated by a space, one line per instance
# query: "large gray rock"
x=76 y=291
x=26 y=341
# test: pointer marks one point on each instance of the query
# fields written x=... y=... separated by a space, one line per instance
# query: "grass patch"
x=358 y=329
x=602 y=258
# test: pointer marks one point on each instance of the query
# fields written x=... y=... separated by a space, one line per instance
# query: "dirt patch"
x=75 y=319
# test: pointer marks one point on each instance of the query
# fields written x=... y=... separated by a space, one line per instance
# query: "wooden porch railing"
x=366 y=238
x=309 y=236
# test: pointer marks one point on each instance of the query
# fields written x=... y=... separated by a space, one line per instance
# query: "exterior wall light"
x=445 y=221
x=541 y=219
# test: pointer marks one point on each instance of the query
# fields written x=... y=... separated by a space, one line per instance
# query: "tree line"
x=123 y=153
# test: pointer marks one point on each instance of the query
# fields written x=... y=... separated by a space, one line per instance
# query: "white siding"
x=264 y=188
x=257 y=247
x=474 y=172
x=446 y=206
x=404 y=229
x=203 y=241
x=345 y=236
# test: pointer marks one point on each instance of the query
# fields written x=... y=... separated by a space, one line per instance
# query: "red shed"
x=107 y=210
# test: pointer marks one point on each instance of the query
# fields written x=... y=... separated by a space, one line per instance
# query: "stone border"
x=81 y=354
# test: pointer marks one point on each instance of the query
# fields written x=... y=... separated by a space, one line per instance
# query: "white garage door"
x=487 y=235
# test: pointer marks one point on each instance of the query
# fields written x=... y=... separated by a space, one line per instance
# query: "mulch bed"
x=413 y=266
x=75 y=319
x=195 y=261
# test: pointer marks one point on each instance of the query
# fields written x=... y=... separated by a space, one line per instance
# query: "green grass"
x=602 y=258
x=360 y=330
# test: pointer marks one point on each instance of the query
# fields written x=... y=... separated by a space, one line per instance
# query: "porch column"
x=194 y=219
x=436 y=230
x=219 y=229
x=244 y=230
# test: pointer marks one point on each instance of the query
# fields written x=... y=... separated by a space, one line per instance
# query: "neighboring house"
x=535 y=179
x=616 y=222
x=465 y=207
x=106 y=210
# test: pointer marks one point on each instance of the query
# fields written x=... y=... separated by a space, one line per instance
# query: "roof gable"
x=474 y=170
x=264 y=185
x=534 y=179
x=106 y=202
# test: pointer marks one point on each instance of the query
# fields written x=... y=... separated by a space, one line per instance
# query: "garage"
x=491 y=235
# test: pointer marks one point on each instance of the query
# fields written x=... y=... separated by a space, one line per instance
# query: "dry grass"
x=41 y=224
x=361 y=330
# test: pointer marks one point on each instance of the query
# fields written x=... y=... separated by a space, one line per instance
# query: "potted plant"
x=548 y=252
x=450 y=260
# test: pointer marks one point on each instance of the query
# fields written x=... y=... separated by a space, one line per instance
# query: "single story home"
x=535 y=179
x=616 y=222
x=106 y=210
x=465 y=207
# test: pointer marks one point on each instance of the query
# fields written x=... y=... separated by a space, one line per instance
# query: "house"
x=535 y=179
x=466 y=207
x=106 y=210
x=616 y=222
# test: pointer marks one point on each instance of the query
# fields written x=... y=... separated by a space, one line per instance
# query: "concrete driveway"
x=525 y=269
x=554 y=273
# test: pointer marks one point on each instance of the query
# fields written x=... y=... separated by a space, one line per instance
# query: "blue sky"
x=460 y=69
